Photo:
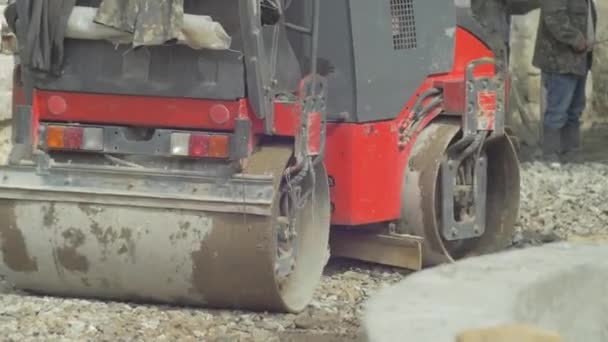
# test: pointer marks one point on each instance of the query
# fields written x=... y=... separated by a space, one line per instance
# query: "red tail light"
x=72 y=138
x=198 y=145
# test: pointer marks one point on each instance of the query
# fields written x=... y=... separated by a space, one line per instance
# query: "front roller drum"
x=189 y=257
x=493 y=168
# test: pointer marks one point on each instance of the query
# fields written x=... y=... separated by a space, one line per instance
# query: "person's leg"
x=559 y=93
x=571 y=131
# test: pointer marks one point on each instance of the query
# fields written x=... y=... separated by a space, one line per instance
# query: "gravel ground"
x=333 y=315
x=567 y=202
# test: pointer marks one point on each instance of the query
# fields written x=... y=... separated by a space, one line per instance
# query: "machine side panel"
x=335 y=55
x=371 y=191
x=397 y=44
x=99 y=67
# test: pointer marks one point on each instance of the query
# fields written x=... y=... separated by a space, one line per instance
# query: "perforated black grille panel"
x=404 y=24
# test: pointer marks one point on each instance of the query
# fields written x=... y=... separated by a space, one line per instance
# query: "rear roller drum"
x=302 y=237
x=295 y=247
x=76 y=245
x=463 y=202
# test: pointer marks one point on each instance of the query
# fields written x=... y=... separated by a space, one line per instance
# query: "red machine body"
x=364 y=161
x=249 y=163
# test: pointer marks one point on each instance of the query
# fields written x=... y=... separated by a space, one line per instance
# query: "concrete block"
x=6 y=101
x=509 y=333
x=559 y=287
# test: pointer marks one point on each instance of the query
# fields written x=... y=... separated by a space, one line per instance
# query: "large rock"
x=5 y=144
x=523 y=39
x=6 y=80
x=600 y=72
x=6 y=72
x=6 y=68
x=525 y=79
x=561 y=288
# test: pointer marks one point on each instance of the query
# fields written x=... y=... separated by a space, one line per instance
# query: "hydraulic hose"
x=428 y=107
x=473 y=147
x=460 y=145
x=426 y=94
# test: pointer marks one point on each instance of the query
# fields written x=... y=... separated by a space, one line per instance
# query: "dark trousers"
x=566 y=99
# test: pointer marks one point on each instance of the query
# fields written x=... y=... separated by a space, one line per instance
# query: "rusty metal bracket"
x=469 y=226
x=484 y=113
x=311 y=137
x=485 y=100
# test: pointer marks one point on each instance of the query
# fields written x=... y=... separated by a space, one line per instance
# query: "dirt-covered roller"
x=180 y=239
x=202 y=161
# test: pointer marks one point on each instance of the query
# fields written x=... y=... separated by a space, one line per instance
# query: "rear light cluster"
x=186 y=144
x=200 y=145
x=74 y=138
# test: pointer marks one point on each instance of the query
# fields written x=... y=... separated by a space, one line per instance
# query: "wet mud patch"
x=12 y=241
x=68 y=256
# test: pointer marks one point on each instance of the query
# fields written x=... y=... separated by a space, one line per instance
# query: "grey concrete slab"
x=560 y=287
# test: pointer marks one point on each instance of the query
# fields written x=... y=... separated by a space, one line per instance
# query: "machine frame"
x=379 y=178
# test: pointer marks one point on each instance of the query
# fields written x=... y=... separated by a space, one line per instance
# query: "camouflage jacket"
x=563 y=27
x=152 y=22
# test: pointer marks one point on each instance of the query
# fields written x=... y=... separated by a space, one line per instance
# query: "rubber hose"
x=426 y=94
x=461 y=145
x=477 y=141
x=429 y=106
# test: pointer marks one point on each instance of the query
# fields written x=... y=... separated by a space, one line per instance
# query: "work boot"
x=570 y=141
x=551 y=145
